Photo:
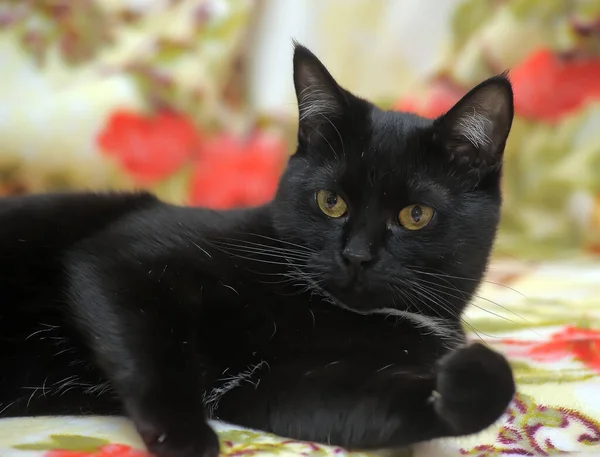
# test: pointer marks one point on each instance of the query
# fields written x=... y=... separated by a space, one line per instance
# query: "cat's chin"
x=357 y=300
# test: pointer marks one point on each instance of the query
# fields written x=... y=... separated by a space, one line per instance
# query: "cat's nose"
x=356 y=257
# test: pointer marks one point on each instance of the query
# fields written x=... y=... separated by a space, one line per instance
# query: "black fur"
x=338 y=330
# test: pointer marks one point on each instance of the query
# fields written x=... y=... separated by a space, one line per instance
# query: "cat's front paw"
x=186 y=439
x=474 y=387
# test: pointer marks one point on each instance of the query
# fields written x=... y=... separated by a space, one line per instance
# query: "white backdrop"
x=355 y=38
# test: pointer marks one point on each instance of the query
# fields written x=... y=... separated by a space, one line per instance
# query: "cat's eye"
x=331 y=203
x=415 y=217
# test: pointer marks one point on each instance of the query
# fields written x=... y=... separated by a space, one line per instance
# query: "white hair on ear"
x=316 y=100
x=474 y=127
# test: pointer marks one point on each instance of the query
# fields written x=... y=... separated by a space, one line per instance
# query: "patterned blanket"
x=544 y=317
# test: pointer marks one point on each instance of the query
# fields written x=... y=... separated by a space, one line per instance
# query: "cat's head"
x=392 y=210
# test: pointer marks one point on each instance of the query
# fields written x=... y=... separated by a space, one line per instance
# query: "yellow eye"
x=331 y=203
x=415 y=217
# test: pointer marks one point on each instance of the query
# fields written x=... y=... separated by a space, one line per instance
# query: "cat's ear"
x=474 y=132
x=321 y=101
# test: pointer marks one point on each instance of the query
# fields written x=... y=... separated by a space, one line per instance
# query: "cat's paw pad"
x=474 y=387
x=187 y=440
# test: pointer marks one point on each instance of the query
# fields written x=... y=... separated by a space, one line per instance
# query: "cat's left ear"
x=474 y=132
x=321 y=101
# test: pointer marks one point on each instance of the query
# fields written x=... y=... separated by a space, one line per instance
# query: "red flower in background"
x=548 y=86
x=572 y=342
x=228 y=171
x=109 y=450
x=235 y=173
x=150 y=148
x=440 y=97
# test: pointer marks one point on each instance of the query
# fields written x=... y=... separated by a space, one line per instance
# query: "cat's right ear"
x=474 y=132
x=321 y=101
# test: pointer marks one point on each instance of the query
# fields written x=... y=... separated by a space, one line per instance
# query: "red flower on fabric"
x=572 y=342
x=109 y=450
x=152 y=147
x=235 y=172
x=548 y=86
x=439 y=98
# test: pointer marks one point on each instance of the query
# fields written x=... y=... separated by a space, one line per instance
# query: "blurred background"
x=194 y=98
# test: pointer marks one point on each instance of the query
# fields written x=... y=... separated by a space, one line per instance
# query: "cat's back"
x=33 y=222
x=36 y=231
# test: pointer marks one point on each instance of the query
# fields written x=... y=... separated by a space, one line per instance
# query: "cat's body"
x=335 y=327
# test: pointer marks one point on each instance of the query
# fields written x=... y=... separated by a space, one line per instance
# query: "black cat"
x=331 y=314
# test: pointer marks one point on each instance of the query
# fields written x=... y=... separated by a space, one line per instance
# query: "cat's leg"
x=143 y=338
x=341 y=405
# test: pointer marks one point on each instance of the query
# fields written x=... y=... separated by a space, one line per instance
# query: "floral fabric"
x=159 y=94
x=545 y=317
